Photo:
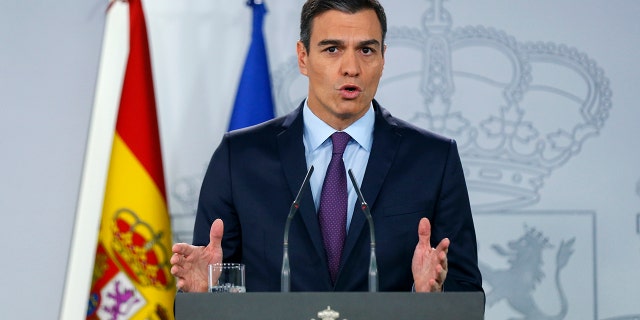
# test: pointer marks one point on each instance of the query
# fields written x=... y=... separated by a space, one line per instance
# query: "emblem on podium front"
x=328 y=314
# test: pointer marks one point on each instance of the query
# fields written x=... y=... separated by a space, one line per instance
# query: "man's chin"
x=350 y=114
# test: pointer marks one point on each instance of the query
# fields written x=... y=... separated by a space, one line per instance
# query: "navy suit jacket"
x=255 y=174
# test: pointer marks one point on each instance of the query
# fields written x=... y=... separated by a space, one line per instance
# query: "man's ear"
x=384 y=51
x=302 y=57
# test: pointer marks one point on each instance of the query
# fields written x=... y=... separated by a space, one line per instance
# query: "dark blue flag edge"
x=254 y=100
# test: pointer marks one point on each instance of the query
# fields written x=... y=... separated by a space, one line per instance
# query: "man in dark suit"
x=411 y=178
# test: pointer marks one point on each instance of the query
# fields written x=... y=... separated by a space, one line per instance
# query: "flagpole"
x=113 y=59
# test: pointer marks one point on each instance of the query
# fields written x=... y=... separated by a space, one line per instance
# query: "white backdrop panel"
x=540 y=96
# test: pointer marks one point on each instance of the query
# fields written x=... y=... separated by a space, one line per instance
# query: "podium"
x=330 y=306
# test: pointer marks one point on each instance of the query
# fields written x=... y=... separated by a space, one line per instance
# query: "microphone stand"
x=373 y=264
x=285 y=280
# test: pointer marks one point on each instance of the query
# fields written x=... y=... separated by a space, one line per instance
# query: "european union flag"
x=254 y=102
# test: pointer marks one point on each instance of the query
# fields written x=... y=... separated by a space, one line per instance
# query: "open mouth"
x=350 y=88
x=350 y=91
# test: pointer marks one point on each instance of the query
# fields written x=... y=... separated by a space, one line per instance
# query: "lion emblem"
x=517 y=283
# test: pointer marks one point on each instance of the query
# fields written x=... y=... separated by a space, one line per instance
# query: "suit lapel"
x=292 y=156
x=383 y=151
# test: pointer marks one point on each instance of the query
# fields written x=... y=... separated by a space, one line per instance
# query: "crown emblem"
x=328 y=314
x=488 y=91
x=138 y=251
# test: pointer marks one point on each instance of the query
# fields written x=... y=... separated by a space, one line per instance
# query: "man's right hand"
x=189 y=263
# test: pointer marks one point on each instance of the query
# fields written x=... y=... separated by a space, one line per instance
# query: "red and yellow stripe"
x=135 y=233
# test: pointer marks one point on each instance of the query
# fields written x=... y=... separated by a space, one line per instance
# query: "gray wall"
x=49 y=52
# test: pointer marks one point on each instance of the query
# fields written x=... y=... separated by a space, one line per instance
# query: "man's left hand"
x=429 y=265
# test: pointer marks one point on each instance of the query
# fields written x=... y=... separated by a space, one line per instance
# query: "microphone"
x=373 y=264
x=285 y=280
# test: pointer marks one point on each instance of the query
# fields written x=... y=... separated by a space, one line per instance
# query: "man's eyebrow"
x=367 y=43
x=330 y=42
x=335 y=42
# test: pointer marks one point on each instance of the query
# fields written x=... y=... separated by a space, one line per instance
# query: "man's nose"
x=350 y=65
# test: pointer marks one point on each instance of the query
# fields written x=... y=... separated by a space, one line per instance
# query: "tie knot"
x=340 y=140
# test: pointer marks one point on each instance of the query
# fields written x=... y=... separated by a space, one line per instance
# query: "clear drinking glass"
x=226 y=277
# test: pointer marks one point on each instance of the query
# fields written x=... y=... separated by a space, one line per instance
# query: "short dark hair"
x=313 y=8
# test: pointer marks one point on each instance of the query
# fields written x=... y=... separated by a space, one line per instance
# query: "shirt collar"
x=317 y=131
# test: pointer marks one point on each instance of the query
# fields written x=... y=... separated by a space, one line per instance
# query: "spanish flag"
x=131 y=277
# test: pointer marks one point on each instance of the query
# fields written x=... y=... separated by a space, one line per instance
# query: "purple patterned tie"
x=333 y=204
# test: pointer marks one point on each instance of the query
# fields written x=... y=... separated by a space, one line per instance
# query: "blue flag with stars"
x=254 y=101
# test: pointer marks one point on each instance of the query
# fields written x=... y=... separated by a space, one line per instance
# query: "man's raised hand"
x=429 y=265
x=189 y=263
